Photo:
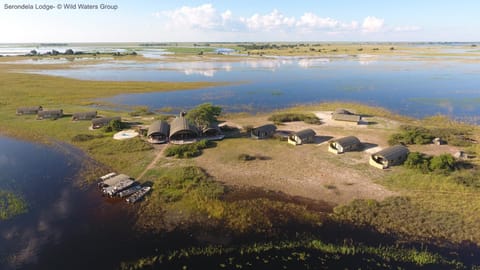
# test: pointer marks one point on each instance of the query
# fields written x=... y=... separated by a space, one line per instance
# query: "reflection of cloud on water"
x=31 y=238
x=269 y=64
x=311 y=62
x=367 y=59
x=205 y=73
x=4 y=160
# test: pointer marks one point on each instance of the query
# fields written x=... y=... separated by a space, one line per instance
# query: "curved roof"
x=85 y=115
x=393 y=152
x=347 y=141
x=305 y=133
x=266 y=128
x=161 y=127
x=180 y=123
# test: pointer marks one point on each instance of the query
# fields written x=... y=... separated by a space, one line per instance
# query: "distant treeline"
x=54 y=44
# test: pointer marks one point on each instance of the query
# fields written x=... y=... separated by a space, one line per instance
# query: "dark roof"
x=393 y=152
x=29 y=109
x=347 y=141
x=343 y=111
x=104 y=120
x=85 y=115
x=265 y=128
x=161 y=127
x=303 y=134
x=50 y=112
x=180 y=123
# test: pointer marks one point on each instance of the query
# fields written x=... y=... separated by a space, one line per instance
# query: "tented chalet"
x=345 y=115
x=263 y=132
x=345 y=144
x=84 y=116
x=302 y=136
x=50 y=114
x=104 y=121
x=181 y=131
x=390 y=156
x=158 y=132
x=29 y=110
x=213 y=132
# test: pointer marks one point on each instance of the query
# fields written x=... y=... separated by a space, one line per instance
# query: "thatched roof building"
x=158 y=132
x=50 y=114
x=345 y=144
x=302 y=136
x=345 y=115
x=104 y=121
x=181 y=131
x=263 y=132
x=29 y=110
x=390 y=156
x=84 y=116
x=213 y=132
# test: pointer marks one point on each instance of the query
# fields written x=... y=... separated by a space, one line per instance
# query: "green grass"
x=190 y=50
x=11 y=205
x=434 y=207
x=303 y=253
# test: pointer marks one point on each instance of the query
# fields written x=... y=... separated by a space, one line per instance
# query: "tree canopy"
x=204 y=115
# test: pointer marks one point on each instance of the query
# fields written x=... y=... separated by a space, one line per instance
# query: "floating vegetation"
x=11 y=205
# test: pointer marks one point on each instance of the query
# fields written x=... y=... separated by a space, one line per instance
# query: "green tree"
x=418 y=161
x=204 y=115
x=114 y=125
x=442 y=163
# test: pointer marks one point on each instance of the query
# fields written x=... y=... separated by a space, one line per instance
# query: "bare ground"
x=309 y=170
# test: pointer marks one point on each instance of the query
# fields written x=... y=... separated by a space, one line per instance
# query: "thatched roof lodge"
x=302 y=136
x=158 y=132
x=181 y=131
x=29 y=110
x=390 y=156
x=50 y=114
x=263 y=132
x=84 y=116
x=345 y=144
x=104 y=121
x=345 y=115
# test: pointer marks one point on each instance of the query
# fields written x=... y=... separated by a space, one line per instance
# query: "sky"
x=235 y=21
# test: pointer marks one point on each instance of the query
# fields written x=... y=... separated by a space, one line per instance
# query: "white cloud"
x=311 y=20
x=203 y=17
x=372 y=24
x=409 y=28
x=274 y=20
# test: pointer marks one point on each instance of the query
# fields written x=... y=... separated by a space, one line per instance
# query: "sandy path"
x=152 y=164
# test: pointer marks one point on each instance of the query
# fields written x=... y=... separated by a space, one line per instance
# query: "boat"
x=105 y=177
x=138 y=195
x=129 y=191
x=121 y=185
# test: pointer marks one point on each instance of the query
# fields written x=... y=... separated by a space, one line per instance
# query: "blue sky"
x=308 y=20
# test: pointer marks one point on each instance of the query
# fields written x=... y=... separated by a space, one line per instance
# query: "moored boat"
x=129 y=191
x=138 y=195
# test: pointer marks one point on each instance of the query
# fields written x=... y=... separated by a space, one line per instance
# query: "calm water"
x=66 y=227
x=416 y=88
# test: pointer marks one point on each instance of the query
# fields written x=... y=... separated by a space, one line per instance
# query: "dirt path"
x=154 y=161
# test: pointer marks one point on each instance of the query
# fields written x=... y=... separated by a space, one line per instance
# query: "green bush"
x=411 y=135
x=188 y=150
x=418 y=161
x=442 y=163
x=114 y=126
x=291 y=117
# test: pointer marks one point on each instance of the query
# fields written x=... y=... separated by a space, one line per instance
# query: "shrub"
x=442 y=163
x=418 y=161
x=411 y=135
x=139 y=111
x=291 y=117
x=188 y=150
x=113 y=126
x=246 y=157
